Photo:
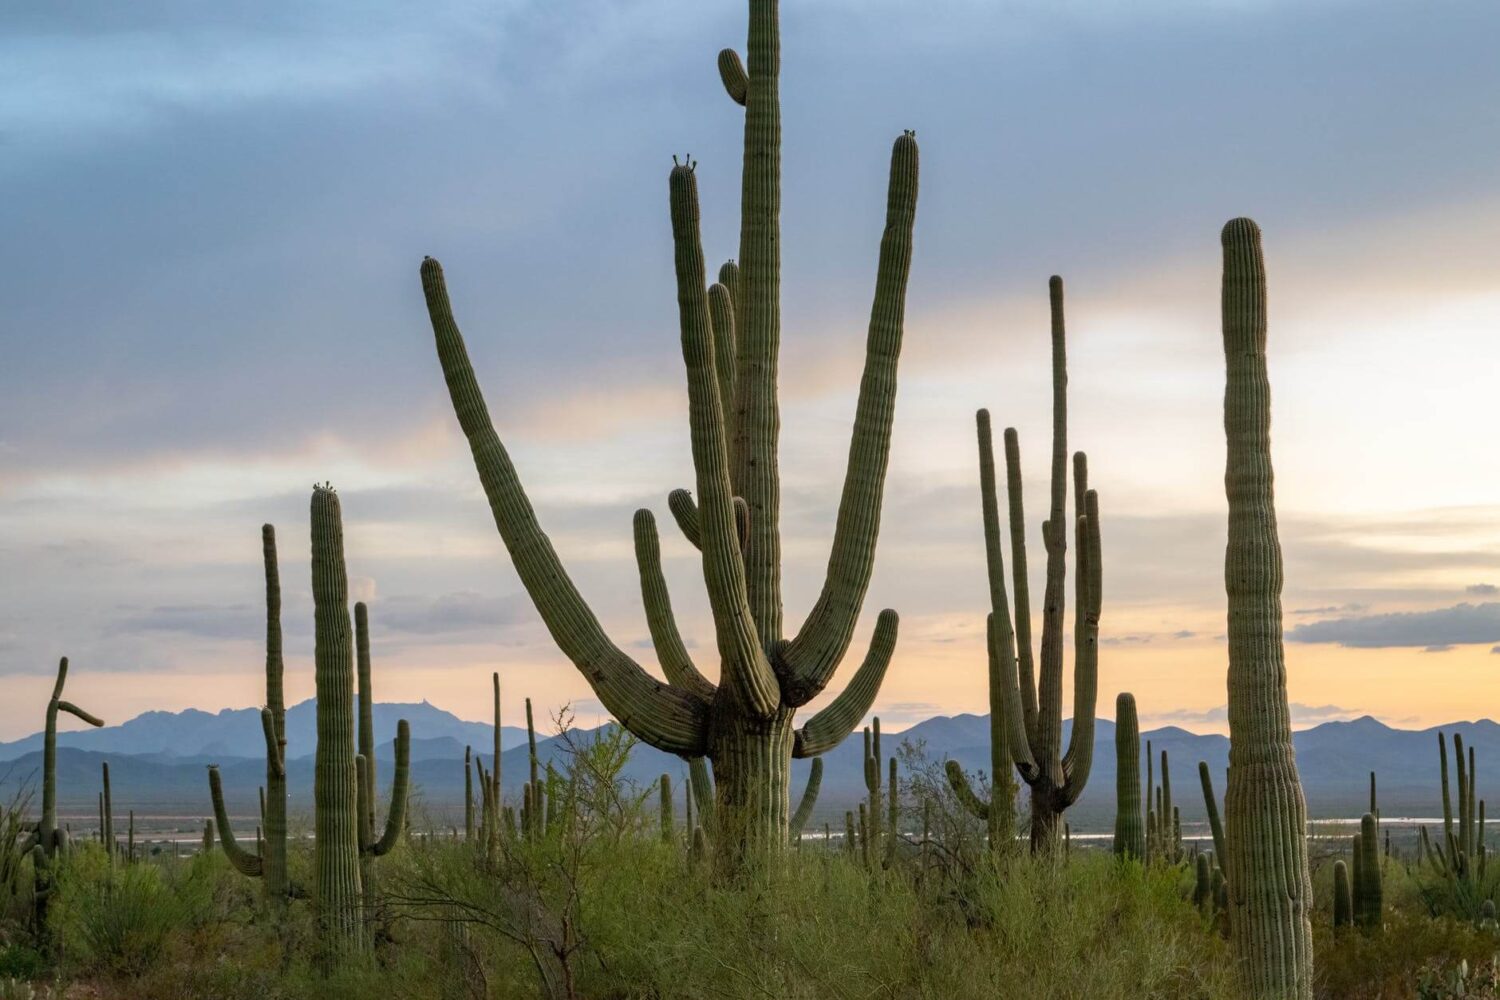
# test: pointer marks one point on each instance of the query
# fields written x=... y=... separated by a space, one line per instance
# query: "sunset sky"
x=214 y=216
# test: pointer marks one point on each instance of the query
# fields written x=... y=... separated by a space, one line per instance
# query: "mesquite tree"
x=730 y=332
x=1265 y=815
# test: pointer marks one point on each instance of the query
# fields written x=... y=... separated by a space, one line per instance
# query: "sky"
x=214 y=218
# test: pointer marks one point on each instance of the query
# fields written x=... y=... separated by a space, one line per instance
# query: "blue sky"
x=214 y=218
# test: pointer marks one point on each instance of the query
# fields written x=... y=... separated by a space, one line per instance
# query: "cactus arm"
x=721 y=312
x=366 y=697
x=809 y=798
x=1079 y=759
x=1449 y=844
x=1002 y=655
x=811 y=658
x=670 y=720
x=702 y=779
x=275 y=761
x=1211 y=804
x=395 y=820
x=757 y=300
x=1055 y=538
x=732 y=73
x=1021 y=579
x=746 y=678
x=495 y=776
x=1265 y=812
x=242 y=860
x=671 y=653
x=827 y=729
x=78 y=713
x=967 y=797
x=685 y=512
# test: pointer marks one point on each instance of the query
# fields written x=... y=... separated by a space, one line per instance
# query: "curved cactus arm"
x=668 y=719
x=809 y=798
x=967 y=797
x=275 y=745
x=732 y=72
x=363 y=796
x=365 y=694
x=827 y=729
x=671 y=652
x=243 y=861
x=700 y=775
x=395 y=820
x=1211 y=804
x=1020 y=578
x=78 y=713
x=1003 y=665
x=811 y=658
x=745 y=675
x=684 y=510
x=1079 y=759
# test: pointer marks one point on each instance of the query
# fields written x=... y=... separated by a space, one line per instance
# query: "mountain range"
x=157 y=762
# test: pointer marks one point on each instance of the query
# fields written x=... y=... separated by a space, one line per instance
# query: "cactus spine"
x=1264 y=810
x=336 y=854
x=1130 y=838
x=1032 y=718
x=269 y=861
x=745 y=724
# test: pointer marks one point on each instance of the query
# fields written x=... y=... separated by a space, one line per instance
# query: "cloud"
x=1482 y=589
x=1332 y=609
x=1301 y=714
x=1433 y=630
x=457 y=612
x=212 y=621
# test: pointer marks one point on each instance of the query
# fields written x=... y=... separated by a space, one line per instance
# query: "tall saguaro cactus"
x=1031 y=725
x=1265 y=815
x=269 y=862
x=371 y=848
x=338 y=893
x=730 y=341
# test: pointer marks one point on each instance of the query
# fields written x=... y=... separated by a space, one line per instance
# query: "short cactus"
x=1368 y=890
x=1343 y=898
x=1130 y=838
x=1264 y=810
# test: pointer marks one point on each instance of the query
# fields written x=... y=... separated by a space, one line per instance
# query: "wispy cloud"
x=1435 y=631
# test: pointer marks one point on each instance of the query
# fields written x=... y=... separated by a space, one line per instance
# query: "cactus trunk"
x=1130 y=838
x=337 y=895
x=1265 y=813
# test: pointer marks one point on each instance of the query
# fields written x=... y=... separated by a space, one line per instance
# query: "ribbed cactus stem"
x=1265 y=813
x=809 y=798
x=893 y=813
x=243 y=861
x=1202 y=882
x=1130 y=838
x=495 y=784
x=110 y=847
x=1343 y=899
x=208 y=836
x=336 y=852
x=667 y=822
x=49 y=838
x=1370 y=893
x=365 y=746
x=468 y=795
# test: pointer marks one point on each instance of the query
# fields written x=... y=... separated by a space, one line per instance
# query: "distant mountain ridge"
x=236 y=732
x=157 y=762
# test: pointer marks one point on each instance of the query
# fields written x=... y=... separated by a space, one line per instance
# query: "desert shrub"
x=116 y=918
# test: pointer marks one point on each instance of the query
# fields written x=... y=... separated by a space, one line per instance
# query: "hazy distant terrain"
x=158 y=760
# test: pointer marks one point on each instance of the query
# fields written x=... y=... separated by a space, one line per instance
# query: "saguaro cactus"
x=730 y=341
x=1031 y=724
x=1130 y=838
x=1264 y=810
x=269 y=861
x=49 y=841
x=395 y=821
x=1460 y=856
x=809 y=799
x=1343 y=897
x=111 y=846
x=338 y=895
x=1369 y=887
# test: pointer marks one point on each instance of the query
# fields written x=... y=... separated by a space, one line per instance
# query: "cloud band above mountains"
x=1437 y=630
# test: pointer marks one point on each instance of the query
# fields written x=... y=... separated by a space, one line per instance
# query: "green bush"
x=116 y=918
